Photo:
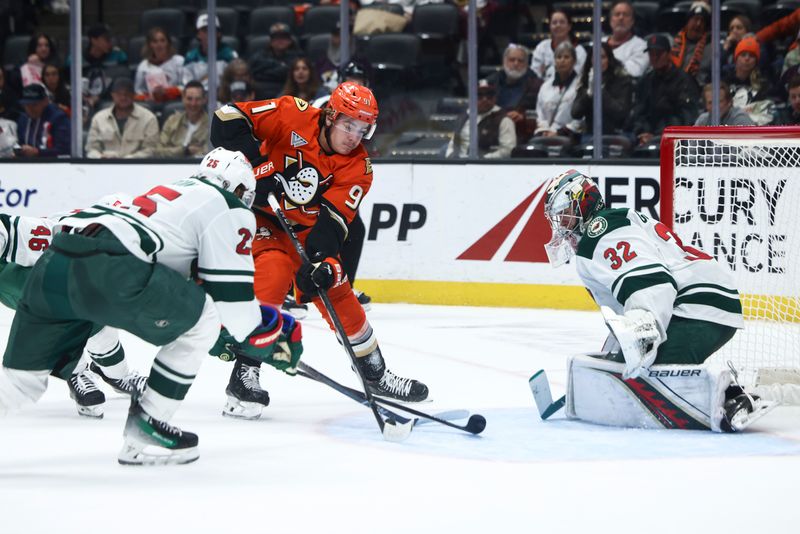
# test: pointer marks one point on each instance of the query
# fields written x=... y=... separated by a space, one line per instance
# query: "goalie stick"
x=306 y=371
x=540 y=388
x=391 y=429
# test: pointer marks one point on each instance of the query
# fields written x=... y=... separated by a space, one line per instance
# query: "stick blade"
x=540 y=387
x=396 y=432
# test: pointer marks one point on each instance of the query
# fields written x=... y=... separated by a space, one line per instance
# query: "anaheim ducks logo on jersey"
x=301 y=183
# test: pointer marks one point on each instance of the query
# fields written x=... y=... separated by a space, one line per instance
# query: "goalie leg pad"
x=689 y=397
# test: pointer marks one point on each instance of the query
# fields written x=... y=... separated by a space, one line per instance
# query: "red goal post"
x=734 y=192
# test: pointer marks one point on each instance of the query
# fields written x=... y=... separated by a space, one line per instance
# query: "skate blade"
x=154 y=455
x=745 y=419
x=242 y=410
x=92 y=412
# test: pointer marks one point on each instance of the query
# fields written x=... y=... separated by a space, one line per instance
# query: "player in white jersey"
x=22 y=242
x=669 y=307
x=133 y=267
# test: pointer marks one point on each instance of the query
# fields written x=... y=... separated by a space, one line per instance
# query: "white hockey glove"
x=638 y=338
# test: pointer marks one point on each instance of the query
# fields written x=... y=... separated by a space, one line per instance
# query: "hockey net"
x=734 y=192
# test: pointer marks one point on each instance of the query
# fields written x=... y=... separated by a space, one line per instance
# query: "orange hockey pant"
x=277 y=262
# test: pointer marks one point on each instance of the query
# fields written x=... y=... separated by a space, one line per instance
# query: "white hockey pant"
x=663 y=396
x=179 y=361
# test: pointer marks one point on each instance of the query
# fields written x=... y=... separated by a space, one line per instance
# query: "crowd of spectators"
x=156 y=105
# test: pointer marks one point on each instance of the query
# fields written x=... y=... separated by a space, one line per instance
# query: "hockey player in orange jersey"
x=315 y=164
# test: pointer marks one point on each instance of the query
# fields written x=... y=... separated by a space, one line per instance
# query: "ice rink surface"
x=315 y=462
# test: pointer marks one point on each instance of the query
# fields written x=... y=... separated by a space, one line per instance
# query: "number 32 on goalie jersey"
x=623 y=252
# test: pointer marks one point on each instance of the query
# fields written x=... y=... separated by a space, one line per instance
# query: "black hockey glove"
x=323 y=274
x=326 y=236
x=264 y=186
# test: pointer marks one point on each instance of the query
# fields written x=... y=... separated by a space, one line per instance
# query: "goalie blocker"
x=688 y=397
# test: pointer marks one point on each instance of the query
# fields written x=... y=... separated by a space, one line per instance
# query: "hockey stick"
x=540 y=388
x=306 y=371
x=472 y=426
x=391 y=429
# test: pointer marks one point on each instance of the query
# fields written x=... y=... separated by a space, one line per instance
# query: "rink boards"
x=469 y=234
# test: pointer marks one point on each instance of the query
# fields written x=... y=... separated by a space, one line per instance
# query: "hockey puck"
x=476 y=424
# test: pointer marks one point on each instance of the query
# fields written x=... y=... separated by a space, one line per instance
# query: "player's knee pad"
x=273 y=276
x=664 y=396
x=19 y=388
x=206 y=330
x=191 y=347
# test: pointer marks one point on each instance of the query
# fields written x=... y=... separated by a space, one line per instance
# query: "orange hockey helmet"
x=356 y=102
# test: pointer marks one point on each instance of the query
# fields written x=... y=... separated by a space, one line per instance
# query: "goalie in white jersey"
x=669 y=307
x=131 y=267
x=23 y=240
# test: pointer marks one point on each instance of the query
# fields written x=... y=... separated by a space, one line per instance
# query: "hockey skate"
x=384 y=383
x=132 y=384
x=88 y=399
x=298 y=310
x=363 y=299
x=741 y=410
x=149 y=441
x=245 y=396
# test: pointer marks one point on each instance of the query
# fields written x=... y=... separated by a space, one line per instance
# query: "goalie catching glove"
x=638 y=337
x=277 y=342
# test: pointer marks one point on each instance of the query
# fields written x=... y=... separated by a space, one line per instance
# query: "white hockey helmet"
x=229 y=170
x=571 y=202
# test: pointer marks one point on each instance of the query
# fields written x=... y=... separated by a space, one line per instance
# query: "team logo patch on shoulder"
x=597 y=227
x=301 y=104
x=297 y=140
x=368 y=168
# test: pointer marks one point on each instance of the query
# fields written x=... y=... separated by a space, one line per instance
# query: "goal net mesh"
x=739 y=200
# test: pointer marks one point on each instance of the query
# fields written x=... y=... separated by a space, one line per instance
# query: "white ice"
x=315 y=461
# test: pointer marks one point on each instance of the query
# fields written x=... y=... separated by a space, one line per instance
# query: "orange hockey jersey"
x=288 y=128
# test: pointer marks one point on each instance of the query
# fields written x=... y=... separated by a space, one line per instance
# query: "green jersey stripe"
x=708 y=286
x=5 y=220
x=657 y=266
x=229 y=291
x=225 y=271
x=714 y=300
x=632 y=284
x=12 y=236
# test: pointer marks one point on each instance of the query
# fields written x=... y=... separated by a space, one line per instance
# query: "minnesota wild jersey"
x=196 y=229
x=24 y=239
x=628 y=261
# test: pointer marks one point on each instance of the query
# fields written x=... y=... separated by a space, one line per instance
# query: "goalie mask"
x=230 y=170
x=570 y=204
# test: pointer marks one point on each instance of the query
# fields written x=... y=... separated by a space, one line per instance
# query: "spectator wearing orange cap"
x=751 y=90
